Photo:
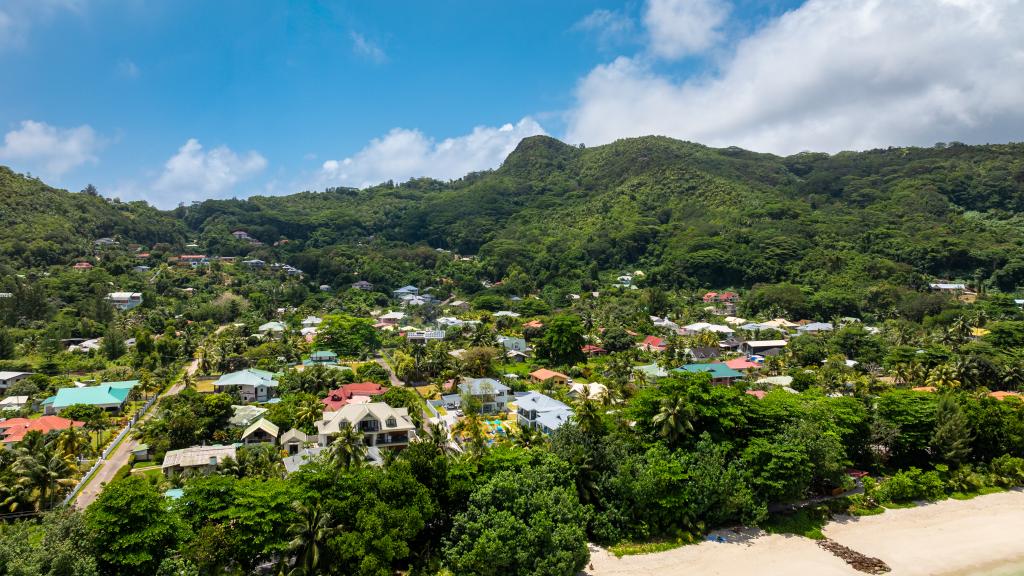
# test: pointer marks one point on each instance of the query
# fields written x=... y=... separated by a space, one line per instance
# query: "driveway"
x=119 y=457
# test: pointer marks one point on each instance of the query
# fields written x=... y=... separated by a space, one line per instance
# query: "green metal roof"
x=103 y=394
x=716 y=369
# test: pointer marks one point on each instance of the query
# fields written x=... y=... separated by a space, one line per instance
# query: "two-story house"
x=381 y=425
x=253 y=385
x=124 y=300
x=492 y=395
x=541 y=412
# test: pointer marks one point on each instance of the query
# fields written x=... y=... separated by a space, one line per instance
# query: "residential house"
x=540 y=412
x=295 y=440
x=450 y=322
x=651 y=371
x=382 y=425
x=492 y=395
x=720 y=373
x=80 y=266
x=751 y=347
x=242 y=235
x=321 y=357
x=591 y=350
x=409 y=290
x=513 y=343
x=86 y=345
x=262 y=431
x=543 y=375
x=652 y=344
x=8 y=378
x=815 y=328
x=193 y=260
x=254 y=263
x=253 y=385
x=14 y=429
x=357 y=393
x=592 y=391
x=311 y=321
x=243 y=415
x=13 y=403
x=948 y=287
x=742 y=364
x=141 y=268
x=664 y=323
x=391 y=318
x=272 y=327
x=506 y=314
x=103 y=242
x=460 y=304
x=362 y=285
x=704 y=352
x=124 y=300
x=202 y=459
x=424 y=336
x=110 y=396
x=698 y=327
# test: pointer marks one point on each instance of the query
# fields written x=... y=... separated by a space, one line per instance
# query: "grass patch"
x=866 y=511
x=807 y=523
x=634 y=548
x=144 y=464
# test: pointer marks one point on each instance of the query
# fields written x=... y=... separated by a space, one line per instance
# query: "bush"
x=1008 y=471
x=912 y=484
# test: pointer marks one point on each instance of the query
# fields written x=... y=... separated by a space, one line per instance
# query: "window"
x=391 y=422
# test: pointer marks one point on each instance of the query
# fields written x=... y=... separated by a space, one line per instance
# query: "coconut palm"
x=308 y=411
x=436 y=435
x=528 y=438
x=943 y=377
x=42 y=477
x=309 y=532
x=674 y=419
x=588 y=415
x=347 y=450
x=71 y=442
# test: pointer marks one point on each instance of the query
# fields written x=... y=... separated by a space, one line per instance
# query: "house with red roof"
x=82 y=266
x=653 y=344
x=14 y=429
x=358 y=393
x=591 y=350
x=742 y=364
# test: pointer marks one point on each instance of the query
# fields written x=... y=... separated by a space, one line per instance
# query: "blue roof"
x=554 y=419
x=249 y=377
x=716 y=369
x=539 y=402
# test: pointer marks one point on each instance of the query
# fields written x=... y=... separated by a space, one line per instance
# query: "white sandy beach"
x=947 y=538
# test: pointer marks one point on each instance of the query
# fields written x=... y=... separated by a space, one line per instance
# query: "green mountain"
x=686 y=214
x=44 y=226
x=689 y=214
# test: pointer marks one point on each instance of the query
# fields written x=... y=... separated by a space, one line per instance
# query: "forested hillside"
x=689 y=215
x=44 y=226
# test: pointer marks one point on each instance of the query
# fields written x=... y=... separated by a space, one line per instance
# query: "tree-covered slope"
x=44 y=225
x=691 y=214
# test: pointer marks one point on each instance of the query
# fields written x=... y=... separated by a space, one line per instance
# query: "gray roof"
x=540 y=402
x=479 y=386
x=554 y=419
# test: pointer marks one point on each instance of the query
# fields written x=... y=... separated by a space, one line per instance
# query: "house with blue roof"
x=720 y=373
x=321 y=357
x=253 y=385
x=409 y=290
x=541 y=412
x=815 y=327
x=110 y=396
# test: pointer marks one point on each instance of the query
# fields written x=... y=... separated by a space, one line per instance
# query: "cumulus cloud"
x=127 y=68
x=609 y=27
x=403 y=154
x=830 y=75
x=50 y=151
x=680 y=27
x=194 y=174
x=366 y=48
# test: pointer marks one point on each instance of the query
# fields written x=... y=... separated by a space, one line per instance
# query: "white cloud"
x=609 y=27
x=681 y=27
x=368 y=49
x=831 y=75
x=127 y=68
x=50 y=151
x=195 y=174
x=403 y=154
x=19 y=16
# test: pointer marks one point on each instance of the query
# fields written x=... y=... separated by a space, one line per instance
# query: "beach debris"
x=855 y=559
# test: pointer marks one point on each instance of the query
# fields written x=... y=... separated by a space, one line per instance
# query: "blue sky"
x=176 y=101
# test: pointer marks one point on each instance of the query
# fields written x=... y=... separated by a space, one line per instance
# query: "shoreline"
x=946 y=538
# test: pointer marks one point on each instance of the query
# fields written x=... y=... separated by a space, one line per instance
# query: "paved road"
x=391 y=374
x=120 y=456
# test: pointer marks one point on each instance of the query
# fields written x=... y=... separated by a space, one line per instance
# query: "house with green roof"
x=321 y=357
x=110 y=396
x=253 y=385
x=720 y=373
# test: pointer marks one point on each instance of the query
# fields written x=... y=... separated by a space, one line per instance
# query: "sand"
x=947 y=538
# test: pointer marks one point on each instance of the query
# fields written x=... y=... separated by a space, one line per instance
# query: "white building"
x=124 y=300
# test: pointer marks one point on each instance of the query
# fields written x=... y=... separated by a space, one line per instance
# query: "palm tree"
x=588 y=416
x=42 y=477
x=309 y=532
x=70 y=443
x=674 y=418
x=436 y=435
x=347 y=450
x=943 y=377
x=307 y=412
x=528 y=438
